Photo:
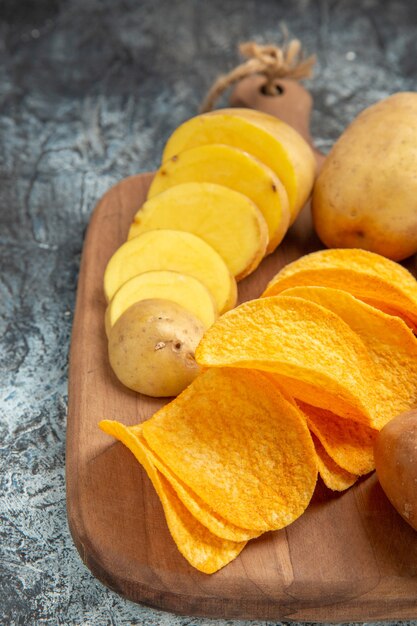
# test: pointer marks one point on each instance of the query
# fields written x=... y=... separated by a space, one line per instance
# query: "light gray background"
x=89 y=92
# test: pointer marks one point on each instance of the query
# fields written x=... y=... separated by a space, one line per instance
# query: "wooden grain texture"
x=350 y=557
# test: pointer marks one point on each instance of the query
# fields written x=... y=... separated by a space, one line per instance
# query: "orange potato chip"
x=390 y=343
x=201 y=511
x=368 y=288
x=309 y=347
x=240 y=445
x=360 y=261
x=378 y=281
x=333 y=476
x=203 y=550
x=348 y=443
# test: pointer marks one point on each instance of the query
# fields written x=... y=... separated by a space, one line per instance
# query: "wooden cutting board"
x=349 y=557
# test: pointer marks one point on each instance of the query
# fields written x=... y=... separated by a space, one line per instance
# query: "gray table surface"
x=89 y=92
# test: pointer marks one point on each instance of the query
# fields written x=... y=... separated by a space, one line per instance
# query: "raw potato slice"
x=227 y=220
x=348 y=443
x=233 y=168
x=201 y=511
x=272 y=141
x=172 y=250
x=333 y=476
x=199 y=546
x=382 y=283
x=390 y=343
x=309 y=348
x=240 y=445
x=183 y=289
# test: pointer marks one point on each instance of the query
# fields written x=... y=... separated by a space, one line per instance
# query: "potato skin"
x=365 y=195
x=151 y=347
x=396 y=464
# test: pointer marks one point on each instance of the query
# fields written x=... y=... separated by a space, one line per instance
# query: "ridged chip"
x=360 y=261
x=201 y=511
x=240 y=445
x=372 y=278
x=349 y=444
x=203 y=550
x=389 y=341
x=333 y=476
x=309 y=347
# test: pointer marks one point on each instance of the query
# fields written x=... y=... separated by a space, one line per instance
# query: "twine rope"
x=271 y=61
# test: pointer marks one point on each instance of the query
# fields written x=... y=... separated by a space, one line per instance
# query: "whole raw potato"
x=151 y=347
x=396 y=464
x=366 y=194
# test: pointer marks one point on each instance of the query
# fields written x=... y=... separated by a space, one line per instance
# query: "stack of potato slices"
x=230 y=184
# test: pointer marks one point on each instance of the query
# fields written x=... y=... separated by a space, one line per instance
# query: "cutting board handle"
x=292 y=103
